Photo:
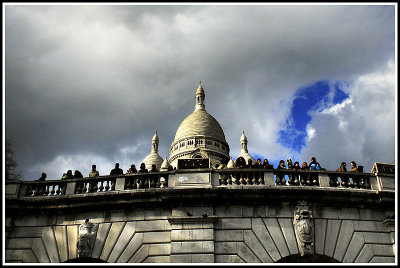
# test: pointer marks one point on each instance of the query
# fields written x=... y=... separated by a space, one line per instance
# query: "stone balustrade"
x=204 y=178
x=282 y=177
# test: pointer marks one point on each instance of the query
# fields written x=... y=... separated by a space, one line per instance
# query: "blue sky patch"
x=315 y=97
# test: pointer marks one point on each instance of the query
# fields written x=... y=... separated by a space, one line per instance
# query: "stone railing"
x=93 y=185
x=44 y=188
x=202 y=178
x=287 y=177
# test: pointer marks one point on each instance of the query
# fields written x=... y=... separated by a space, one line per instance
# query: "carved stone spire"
x=243 y=143
x=200 y=96
x=154 y=143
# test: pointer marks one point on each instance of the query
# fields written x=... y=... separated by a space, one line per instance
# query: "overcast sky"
x=89 y=84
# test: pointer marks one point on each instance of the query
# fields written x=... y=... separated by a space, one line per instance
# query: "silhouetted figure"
x=280 y=180
x=94 y=173
x=78 y=174
x=116 y=170
x=258 y=164
x=304 y=176
x=240 y=162
x=44 y=175
x=249 y=163
x=342 y=167
x=354 y=167
x=289 y=163
x=133 y=169
x=296 y=176
x=266 y=164
x=153 y=168
x=68 y=175
x=314 y=165
x=143 y=168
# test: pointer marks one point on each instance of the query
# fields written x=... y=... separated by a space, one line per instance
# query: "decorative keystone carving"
x=304 y=228
x=87 y=232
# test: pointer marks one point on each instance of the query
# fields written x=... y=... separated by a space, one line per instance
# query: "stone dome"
x=200 y=123
x=199 y=136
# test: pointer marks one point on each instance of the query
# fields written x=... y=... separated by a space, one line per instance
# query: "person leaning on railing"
x=304 y=178
x=281 y=175
x=266 y=164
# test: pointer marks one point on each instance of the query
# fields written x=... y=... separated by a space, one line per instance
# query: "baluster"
x=52 y=190
x=41 y=191
x=315 y=181
x=134 y=183
x=78 y=188
x=261 y=178
x=241 y=180
x=162 y=182
x=303 y=178
x=29 y=192
x=254 y=178
x=345 y=181
x=290 y=179
x=152 y=182
x=96 y=186
x=90 y=188
x=113 y=185
x=140 y=185
x=309 y=179
x=356 y=182
x=128 y=183
x=58 y=191
x=107 y=186
x=235 y=181
x=101 y=186
x=229 y=179
x=85 y=188
x=46 y=192
x=64 y=188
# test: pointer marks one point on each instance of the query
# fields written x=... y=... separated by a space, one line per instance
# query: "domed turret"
x=199 y=136
x=230 y=164
x=153 y=157
x=243 y=151
x=165 y=165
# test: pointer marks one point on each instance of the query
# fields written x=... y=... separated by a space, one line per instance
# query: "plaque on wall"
x=193 y=163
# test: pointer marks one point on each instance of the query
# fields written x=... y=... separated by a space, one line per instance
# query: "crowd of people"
x=240 y=162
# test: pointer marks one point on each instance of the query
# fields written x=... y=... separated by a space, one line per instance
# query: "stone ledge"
x=192 y=219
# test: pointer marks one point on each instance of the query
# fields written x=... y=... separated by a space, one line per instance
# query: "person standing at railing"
x=280 y=175
x=78 y=174
x=44 y=175
x=132 y=169
x=304 y=179
x=354 y=167
x=240 y=162
x=94 y=173
x=342 y=167
x=153 y=168
x=258 y=164
x=266 y=164
x=314 y=165
x=67 y=175
x=343 y=178
x=296 y=167
x=116 y=170
x=143 y=168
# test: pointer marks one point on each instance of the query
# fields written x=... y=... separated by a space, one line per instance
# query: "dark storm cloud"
x=92 y=83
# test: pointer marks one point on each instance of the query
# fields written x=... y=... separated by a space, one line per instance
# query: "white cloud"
x=362 y=128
